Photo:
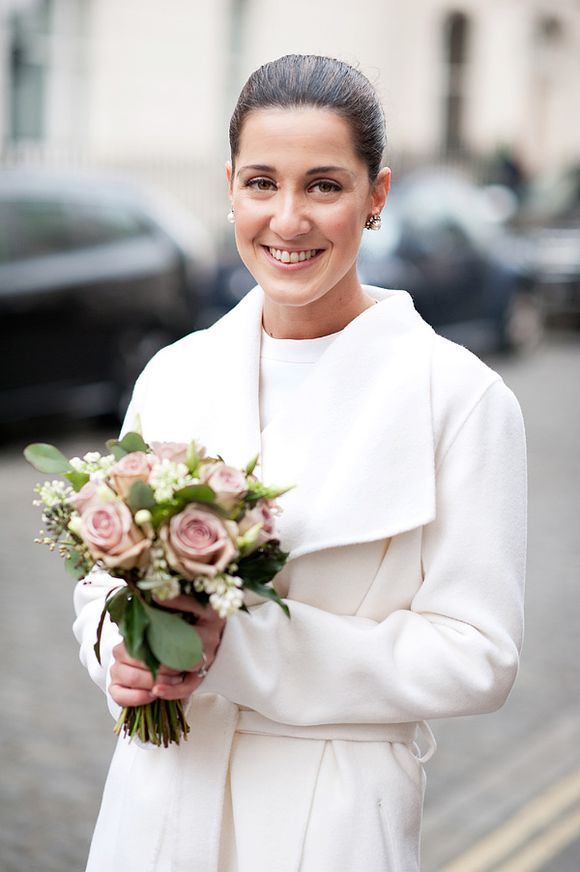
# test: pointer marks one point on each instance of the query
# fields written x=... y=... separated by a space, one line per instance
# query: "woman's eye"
x=260 y=184
x=326 y=187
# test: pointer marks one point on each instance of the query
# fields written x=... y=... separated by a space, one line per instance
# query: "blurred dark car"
x=549 y=222
x=441 y=240
x=95 y=276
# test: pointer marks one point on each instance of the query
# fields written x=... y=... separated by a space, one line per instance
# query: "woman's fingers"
x=190 y=682
x=128 y=696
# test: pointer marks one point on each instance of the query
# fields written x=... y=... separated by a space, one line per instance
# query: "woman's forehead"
x=304 y=132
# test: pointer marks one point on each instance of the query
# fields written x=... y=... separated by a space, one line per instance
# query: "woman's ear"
x=380 y=190
x=229 y=177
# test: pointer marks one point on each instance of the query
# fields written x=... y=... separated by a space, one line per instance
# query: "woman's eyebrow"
x=266 y=168
x=328 y=169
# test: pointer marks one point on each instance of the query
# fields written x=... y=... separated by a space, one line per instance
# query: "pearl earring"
x=231 y=217
x=373 y=222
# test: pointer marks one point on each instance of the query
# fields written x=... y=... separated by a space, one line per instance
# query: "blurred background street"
x=114 y=242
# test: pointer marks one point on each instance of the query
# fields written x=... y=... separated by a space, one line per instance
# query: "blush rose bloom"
x=197 y=543
x=228 y=483
x=108 y=530
x=87 y=495
x=129 y=469
x=174 y=451
x=261 y=513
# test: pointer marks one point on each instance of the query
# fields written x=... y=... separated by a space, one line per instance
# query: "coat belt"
x=253 y=722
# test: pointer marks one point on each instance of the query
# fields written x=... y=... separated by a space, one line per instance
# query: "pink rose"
x=129 y=469
x=197 y=542
x=86 y=495
x=108 y=530
x=261 y=513
x=174 y=451
x=228 y=483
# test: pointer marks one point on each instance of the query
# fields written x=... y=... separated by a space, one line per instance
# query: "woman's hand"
x=131 y=681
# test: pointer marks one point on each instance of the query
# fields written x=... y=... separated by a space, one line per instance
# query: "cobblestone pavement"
x=55 y=732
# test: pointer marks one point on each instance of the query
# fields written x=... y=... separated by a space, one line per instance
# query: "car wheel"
x=523 y=324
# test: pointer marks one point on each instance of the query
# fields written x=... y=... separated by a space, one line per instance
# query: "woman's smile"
x=291 y=259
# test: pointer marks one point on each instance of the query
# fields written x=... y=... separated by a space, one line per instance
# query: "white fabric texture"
x=284 y=365
x=405 y=583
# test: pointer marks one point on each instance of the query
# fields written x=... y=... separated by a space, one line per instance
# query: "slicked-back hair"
x=298 y=81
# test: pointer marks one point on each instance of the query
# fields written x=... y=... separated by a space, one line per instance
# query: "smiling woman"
x=406 y=527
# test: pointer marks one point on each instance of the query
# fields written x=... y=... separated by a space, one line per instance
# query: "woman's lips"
x=301 y=264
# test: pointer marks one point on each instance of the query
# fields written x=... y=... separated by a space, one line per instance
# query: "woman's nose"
x=290 y=217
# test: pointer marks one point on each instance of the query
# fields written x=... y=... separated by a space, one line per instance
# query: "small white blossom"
x=227 y=603
x=93 y=464
x=167 y=477
x=52 y=493
x=75 y=524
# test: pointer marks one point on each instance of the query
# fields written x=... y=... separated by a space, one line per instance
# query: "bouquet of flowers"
x=165 y=520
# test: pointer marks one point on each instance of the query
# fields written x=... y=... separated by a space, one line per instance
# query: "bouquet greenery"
x=162 y=519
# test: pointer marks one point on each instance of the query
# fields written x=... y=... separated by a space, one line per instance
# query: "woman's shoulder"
x=462 y=383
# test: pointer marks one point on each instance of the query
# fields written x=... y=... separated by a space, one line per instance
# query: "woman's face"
x=301 y=196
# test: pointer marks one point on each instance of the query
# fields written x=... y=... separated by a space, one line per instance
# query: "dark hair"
x=294 y=81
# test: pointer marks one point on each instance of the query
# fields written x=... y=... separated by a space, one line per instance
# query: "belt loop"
x=425 y=729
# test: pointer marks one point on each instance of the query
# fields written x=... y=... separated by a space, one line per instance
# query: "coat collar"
x=356 y=438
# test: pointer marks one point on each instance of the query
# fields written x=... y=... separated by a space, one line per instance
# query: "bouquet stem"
x=161 y=722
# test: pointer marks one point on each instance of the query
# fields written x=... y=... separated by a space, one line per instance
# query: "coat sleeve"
x=453 y=652
x=89 y=599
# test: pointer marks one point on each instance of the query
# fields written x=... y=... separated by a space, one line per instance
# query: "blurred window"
x=28 y=30
x=33 y=228
x=456 y=36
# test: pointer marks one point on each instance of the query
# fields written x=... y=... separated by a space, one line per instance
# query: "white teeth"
x=291 y=256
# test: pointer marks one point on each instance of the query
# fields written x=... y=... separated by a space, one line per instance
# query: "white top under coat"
x=284 y=365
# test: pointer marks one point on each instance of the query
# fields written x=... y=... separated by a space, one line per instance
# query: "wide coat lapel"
x=356 y=439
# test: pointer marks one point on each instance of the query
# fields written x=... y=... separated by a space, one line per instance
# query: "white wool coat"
x=406 y=532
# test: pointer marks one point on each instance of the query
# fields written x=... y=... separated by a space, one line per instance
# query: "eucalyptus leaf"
x=141 y=496
x=77 y=479
x=75 y=564
x=133 y=442
x=195 y=493
x=132 y=626
x=173 y=641
x=46 y=458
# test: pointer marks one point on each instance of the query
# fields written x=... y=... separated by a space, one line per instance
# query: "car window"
x=32 y=228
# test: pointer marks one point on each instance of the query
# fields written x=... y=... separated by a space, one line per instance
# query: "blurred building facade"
x=148 y=86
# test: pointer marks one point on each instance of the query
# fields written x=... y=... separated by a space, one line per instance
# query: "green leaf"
x=192 y=459
x=267 y=593
x=77 y=479
x=251 y=465
x=46 y=458
x=195 y=493
x=173 y=641
x=114 y=448
x=76 y=564
x=133 y=442
x=141 y=496
x=118 y=604
x=97 y=645
x=257 y=491
x=263 y=564
x=132 y=626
